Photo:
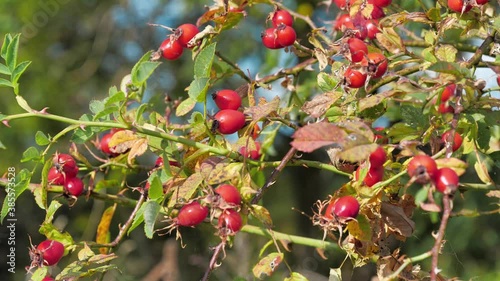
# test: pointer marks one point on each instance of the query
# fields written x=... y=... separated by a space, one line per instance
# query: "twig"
x=213 y=260
x=274 y=175
x=234 y=66
x=126 y=226
x=447 y=206
x=407 y=262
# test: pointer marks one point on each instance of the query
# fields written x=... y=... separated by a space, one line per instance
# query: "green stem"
x=310 y=242
x=406 y=262
x=64 y=120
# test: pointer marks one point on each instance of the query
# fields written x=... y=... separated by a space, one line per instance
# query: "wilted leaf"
x=376 y=99
x=358 y=128
x=223 y=172
x=316 y=135
x=493 y=193
x=482 y=170
x=102 y=234
x=263 y=109
x=262 y=214
x=267 y=265
x=456 y=164
x=186 y=191
x=396 y=219
x=138 y=148
x=357 y=153
x=360 y=228
x=122 y=141
x=85 y=253
x=335 y=274
x=450 y=68
x=446 y=53
x=320 y=104
x=390 y=40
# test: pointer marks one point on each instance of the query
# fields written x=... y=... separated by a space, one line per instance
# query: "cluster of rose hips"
x=172 y=47
x=375 y=164
x=282 y=34
x=358 y=28
x=423 y=169
x=228 y=120
x=444 y=105
x=47 y=253
x=224 y=203
x=337 y=213
x=463 y=6
x=64 y=172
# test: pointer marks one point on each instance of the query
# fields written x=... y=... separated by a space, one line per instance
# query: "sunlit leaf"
x=17 y=183
x=295 y=276
x=317 y=135
x=185 y=107
x=263 y=109
x=41 y=139
x=103 y=234
x=262 y=214
x=203 y=62
x=151 y=212
x=267 y=265
x=318 y=106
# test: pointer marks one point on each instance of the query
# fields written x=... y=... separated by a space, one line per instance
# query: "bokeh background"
x=81 y=48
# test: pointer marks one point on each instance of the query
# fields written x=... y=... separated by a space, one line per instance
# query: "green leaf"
x=5 y=83
x=115 y=98
x=2 y=146
x=198 y=89
x=6 y=41
x=40 y=192
x=11 y=54
x=20 y=69
x=139 y=114
x=41 y=139
x=185 y=107
x=151 y=211
x=96 y=106
x=31 y=154
x=327 y=82
x=138 y=219
x=40 y=273
x=450 y=68
x=23 y=103
x=16 y=185
x=143 y=71
x=335 y=274
x=4 y=69
x=203 y=62
x=155 y=187
x=107 y=111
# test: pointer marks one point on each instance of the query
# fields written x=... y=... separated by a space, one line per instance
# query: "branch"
x=447 y=205
x=405 y=263
x=272 y=179
x=213 y=260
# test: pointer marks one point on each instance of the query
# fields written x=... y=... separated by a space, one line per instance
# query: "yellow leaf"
x=102 y=235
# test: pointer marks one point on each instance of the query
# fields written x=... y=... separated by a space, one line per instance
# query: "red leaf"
x=316 y=135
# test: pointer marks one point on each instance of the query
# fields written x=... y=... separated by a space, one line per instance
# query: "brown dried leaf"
x=320 y=104
x=138 y=148
x=493 y=193
x=316 y=135
x=390 y=40
x=263 y=109
x=396 y=219
x=407 y=202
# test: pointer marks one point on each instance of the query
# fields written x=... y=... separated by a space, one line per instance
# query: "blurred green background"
x=81 y=48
